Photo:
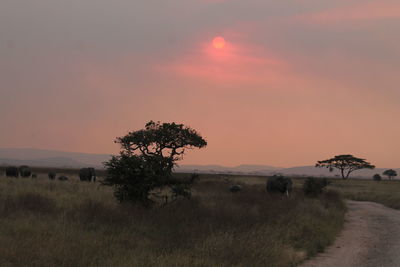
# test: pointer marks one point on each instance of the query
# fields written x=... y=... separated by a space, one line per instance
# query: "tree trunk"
x=342 y=171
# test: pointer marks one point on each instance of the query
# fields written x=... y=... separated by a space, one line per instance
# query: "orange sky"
x=296 y=82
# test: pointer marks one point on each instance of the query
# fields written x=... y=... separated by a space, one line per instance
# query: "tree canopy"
x=147 y=159
x=390 y=173
x=166 y=140
x=346 y=164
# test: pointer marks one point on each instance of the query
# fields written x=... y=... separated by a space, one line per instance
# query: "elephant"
x=279 y=184
x=12 y=172
x=52 y=175
x=63 y=178
x=25 y=171
x=87 y=174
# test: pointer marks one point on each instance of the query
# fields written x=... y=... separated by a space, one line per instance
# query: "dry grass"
x=385 y=192
x=52 y=223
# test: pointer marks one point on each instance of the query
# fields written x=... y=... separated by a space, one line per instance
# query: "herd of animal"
x=85 y=174
x=275 y=184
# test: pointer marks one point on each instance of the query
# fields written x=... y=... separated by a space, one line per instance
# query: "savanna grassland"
x=386 y=192
x=72 y=223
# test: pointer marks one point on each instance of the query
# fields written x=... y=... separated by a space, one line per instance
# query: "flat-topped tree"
x=146 y=161
x=346 y=164
x=390 y=174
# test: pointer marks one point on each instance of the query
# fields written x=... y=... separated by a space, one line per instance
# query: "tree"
x=390 y=173
x=345 y=163
x=147 y=159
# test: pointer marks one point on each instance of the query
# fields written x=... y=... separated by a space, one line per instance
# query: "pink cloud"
x=241 y=63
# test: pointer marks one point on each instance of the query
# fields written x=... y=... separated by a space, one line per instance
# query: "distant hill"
x=50 y=158
x=62 y=159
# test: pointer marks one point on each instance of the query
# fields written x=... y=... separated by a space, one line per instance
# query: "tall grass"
x=52 y=223
x=385 y=192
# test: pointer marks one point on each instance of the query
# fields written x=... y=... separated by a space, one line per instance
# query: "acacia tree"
x=146 y=161
x=346 y=164
x=390 y=173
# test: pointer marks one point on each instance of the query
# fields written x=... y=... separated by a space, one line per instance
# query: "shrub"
x=377 y=177
x=314 y=187
x=235 y=188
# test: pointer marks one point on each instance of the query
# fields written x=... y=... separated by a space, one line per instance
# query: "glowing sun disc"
x=219 y=42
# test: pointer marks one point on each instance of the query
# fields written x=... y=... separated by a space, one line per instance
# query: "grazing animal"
x=279 y=184
x=235 y=188
x=34 y=175
x=12 y=172
x=52 y=175
x=87 y=174
x=25 y=171
x=63 y=178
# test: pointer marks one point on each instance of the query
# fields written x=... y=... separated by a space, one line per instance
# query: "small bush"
x=313 y=186
x=235 y=188
x=377 y=177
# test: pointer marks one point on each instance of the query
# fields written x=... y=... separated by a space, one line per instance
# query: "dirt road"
x=371 y=238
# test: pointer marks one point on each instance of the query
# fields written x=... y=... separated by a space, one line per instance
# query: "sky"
x=297 y=80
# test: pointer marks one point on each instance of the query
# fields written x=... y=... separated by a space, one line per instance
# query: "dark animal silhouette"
x=377 y=177
x=235 y=188
x=279 y=184
x=34 y=175
x=87 y=174
x=63 y=178
x=12 y=172
x=52 y=175
x=25 y=171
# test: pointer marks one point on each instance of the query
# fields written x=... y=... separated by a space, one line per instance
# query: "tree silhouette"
x=345 y=163
x=390 y=173
x=147 y=159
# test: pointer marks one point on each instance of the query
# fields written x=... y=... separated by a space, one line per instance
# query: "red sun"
x=219 y=42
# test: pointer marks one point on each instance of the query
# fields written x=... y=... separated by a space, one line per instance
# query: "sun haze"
x=281 y=83
x=219 y=42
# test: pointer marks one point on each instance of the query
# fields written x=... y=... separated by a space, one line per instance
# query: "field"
x=384 y=192
x=54 y=223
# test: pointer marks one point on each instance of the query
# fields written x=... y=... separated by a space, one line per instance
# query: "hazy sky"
x=298 y=81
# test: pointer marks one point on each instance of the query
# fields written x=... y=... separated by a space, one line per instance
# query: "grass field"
x=385 y=192
x=54 y=223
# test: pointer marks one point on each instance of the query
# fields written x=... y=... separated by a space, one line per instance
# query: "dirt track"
x=371 y=237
